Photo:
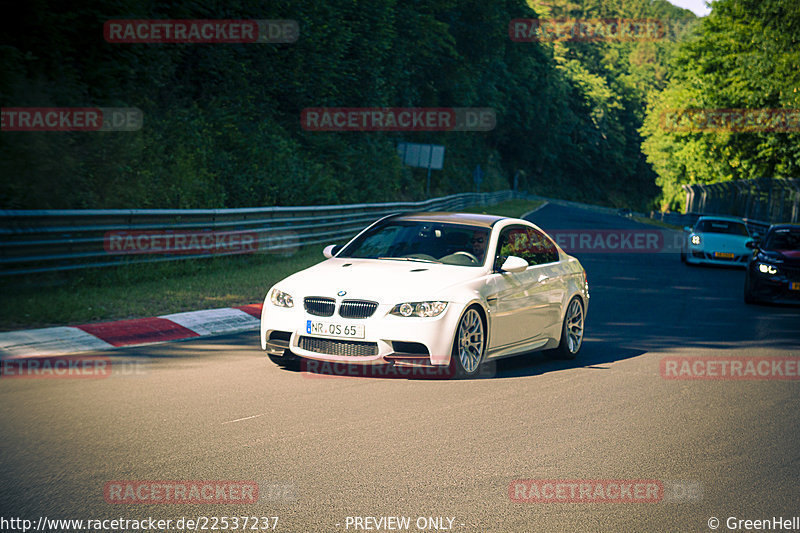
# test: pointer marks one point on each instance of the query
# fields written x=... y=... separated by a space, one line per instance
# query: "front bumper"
x=773 y=288
x=697 y=255
x=387 y=338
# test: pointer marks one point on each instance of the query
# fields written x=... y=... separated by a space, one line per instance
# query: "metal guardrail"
x=689 y=219
x=47 y=241
x=770 y=200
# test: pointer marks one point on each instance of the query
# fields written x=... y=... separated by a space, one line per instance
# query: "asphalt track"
x=219 y=410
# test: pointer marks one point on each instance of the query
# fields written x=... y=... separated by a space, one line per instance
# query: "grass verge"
x=131 y=291
x=654 y=222
x=512 y=208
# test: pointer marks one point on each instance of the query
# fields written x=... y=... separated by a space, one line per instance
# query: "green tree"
x=744 y=55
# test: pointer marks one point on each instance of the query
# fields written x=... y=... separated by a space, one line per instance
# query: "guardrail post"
x=689 y=198
x=794 y=198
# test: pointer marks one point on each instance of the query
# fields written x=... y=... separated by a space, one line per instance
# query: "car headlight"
x=419 y=309
x=766 y=268
x=695 y=239
x=280 y=298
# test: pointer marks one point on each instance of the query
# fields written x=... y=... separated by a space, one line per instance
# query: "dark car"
x=773 y=272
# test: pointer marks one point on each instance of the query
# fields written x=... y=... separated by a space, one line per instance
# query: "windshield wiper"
x=417 y=259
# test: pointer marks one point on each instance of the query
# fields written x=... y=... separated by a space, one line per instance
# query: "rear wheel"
x=469 y=344
x=571 y=331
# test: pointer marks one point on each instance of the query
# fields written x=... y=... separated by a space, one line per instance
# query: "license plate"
x=794 y=286
x=723 y=255
x=329 y=329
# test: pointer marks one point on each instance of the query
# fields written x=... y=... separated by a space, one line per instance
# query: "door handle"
x=543 y=278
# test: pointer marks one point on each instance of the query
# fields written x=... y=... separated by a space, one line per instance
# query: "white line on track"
x=245 y=418
x=532 y=212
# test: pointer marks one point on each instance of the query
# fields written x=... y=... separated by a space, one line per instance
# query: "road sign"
x=422 y=155
x=430 y=156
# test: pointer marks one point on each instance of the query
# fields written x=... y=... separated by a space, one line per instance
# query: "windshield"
x=451 y=244
x=721 y=226
x=786 y=239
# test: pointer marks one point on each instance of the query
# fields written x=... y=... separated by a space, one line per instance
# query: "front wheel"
x=571 y=331
x=469 y=344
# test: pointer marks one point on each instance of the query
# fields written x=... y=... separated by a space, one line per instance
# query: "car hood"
x=721 y=242
x=384 y=281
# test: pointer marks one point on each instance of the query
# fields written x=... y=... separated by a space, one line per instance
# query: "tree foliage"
x=222 y=124
x=745 y=55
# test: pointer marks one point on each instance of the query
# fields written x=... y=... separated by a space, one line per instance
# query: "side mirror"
x=687 y=229
x=331 y=250
x=514 y=264
x=751 y=244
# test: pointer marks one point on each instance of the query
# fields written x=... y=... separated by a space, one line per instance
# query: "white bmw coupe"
x=434 y=290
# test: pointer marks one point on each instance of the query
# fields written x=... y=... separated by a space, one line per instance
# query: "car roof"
x=722 y=218
x=470 y=219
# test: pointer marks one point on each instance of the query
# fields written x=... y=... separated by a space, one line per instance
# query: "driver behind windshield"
x=478 y=242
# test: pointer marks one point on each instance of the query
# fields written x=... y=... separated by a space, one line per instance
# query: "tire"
x=469 y=345
x=572 y=330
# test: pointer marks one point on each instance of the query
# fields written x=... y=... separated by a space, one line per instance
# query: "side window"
x=541 y=249
x=527 y=243
x=511 y=242
x=517 y=244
